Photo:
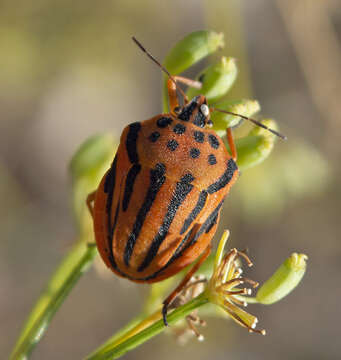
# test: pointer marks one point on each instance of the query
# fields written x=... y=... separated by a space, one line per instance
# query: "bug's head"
x=196 y=111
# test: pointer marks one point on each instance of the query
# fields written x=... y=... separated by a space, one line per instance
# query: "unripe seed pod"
x=192 y=49
x=256 y=146
x=284 y=280
x=187 y=52
x=87 y=167
x=216 y=80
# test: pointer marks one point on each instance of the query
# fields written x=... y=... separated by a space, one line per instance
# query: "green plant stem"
x=64 y=279
x=144 y=331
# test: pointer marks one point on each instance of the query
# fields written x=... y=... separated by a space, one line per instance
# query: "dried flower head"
x=195 y=287
x=223 y=289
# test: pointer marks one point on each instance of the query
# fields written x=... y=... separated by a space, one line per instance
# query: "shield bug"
x=157 y=208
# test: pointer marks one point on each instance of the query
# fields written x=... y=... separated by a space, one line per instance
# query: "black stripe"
x=131 y=140
x=224 y=179
x=183 y=246
x=182 y=189
x=157 y=179
x=195 y=212
x=111 y=237
x=177 y=254
x=130 y=180
x=206 y=225
x=213 y=222
x=109 y=188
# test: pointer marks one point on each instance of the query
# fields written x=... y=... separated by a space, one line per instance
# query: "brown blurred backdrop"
x=69 y=70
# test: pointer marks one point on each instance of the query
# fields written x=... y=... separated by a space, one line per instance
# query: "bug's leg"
x=172 y=95
x=183 y=283
x=189 y=82
x=90 y=202
x=231 y=143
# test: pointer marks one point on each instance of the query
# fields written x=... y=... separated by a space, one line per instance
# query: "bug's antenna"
x=160 y=65
x=256 y=122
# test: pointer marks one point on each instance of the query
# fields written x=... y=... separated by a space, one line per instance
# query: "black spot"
x=129 y=185
x=179 y=129
x=131 y=142
x=224 y=179
x=187 y=178
x=213 y=141
x=157 y=179
x=199 y=136
x=182 y=189
x=195 y=212
x=199 y=119
x=163 y=122
x=194 y=153
x=154 y=136
x=172 y=145
x=212 y=159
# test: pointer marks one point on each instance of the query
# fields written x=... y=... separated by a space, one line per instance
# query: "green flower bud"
x=221 y=121
x=256 y=146
x=91 y=156
x=191 y=49
x=188 y=51
x=87 y=168
x=284 y=280
x=216 y=80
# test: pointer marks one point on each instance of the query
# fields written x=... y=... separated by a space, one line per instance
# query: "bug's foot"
x=164 y=314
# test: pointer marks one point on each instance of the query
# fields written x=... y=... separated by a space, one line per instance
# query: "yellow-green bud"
x=256 y=146
x=216 y=80
x=243 y=107
x=188 y=51
x=92 y=154
x=191 y=49
x=87 y=167
x=284 y=280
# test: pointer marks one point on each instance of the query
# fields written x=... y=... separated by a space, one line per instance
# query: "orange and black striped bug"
x=157 y=208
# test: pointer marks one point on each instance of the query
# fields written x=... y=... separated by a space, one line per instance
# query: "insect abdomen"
x=149 y=221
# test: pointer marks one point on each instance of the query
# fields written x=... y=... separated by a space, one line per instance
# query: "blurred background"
x=69 y=70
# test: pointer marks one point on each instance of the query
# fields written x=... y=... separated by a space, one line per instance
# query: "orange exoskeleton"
x=157 y=208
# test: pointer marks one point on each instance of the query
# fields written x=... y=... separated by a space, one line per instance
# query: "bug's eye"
x=177 y=110
x=204 y=109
